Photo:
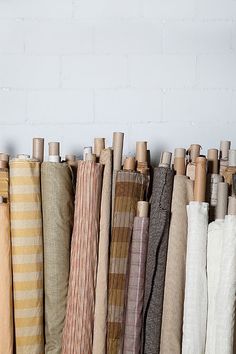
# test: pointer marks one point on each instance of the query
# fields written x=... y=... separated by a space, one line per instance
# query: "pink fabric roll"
x=79 y=322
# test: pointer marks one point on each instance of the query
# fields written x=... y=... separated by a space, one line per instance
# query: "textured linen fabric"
x=195 y=301
x=173 y=306
x=79 y=321
x=135 y=297
x=58 y=215
x=214 y=252
x=4 y=184
x=6 y=305
x=27 y=255
x=156 y=258
x=100 y=316
x=130 y=188
x=225 y=300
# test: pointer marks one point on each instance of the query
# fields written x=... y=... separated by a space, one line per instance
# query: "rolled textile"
x=101 y=294
x=130 y=188
x=79 y=321
x=173 y=306
x=214 y=252
x=225 y=315
x=6 y=301
x=135 y=297
x=156 y=258
x=195 y=301
x=4 y=184
x=27 y=255
x=58 y=215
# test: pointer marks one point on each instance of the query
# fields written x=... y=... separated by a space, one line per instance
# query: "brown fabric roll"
x=135 y=297
x=58 y=215
x=156 y=258
x=130 y=188
x=100 y=317
x=173 y=306
x=6 y=305
x=78 y=329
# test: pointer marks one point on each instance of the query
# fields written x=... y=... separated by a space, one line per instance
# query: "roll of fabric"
x=225 y=300
x=100 y=317
x=214 y=253
x=4 y=184
x=6 y=305
x=79 y=322
x=173 y=306
x=130 y=188
x=156 y=258
x=135 y=297
x=58 y=215
x=195 y=301
x=27 y=255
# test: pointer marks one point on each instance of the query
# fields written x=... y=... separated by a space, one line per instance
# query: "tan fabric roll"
x=4 y=183
x=6 y=306
x=58 y=216
x=172 y=320
x=79 y=322
x=100 y=317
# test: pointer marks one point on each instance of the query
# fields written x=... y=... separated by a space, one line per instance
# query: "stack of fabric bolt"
x=108 y=255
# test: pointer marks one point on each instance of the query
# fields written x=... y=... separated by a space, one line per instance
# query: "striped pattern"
x=78 y=329
x=138 y=254
x=27 y=255
x=130 y=188
x=4 y=184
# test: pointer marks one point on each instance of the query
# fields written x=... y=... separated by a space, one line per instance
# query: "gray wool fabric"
x=156 y=258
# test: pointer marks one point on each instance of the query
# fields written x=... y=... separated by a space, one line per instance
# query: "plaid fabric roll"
x=4 y=184
x=130 y=188
x=134 y=310
x=27 y=255
x=78 y=329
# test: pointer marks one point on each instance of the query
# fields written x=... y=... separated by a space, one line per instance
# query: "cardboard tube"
x=90 y=157
x=54 y=152
x=118 y=140
x=179 y=161
x=129 y=164
x=165 y=159
x=200 y=179
x=221 y=207
x=38 y=149
x=180 y=152
x=232 y=158
x=142 y=209
x=224 y=149
x=212 y=161
x=194 y=151
x=141 y=151
x=99 y=145
x=87 y=150
x=231 y=206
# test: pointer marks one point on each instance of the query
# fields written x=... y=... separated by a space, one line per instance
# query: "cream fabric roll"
x=101 y=294
x=195 y=301
x=214 y=251
x=173 y=306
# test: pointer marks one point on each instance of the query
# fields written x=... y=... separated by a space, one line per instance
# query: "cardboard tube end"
x=129 y=164
x=142 y=209
x=99 y=145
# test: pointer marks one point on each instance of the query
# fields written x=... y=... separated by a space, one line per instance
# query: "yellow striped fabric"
x=27 y=255
x=4 y=184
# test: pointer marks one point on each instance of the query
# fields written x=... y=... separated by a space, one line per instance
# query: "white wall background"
x=159 y=70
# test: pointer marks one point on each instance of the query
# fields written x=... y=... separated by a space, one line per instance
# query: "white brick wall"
x=161 y=70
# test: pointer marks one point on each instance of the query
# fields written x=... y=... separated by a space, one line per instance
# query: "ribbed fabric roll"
x=195 y=301
x=100 y=317
x=79 y=322
x=4 y=183
x=135 y=297
x=27 y=255
x=6 y=304
x=214 y=252
x=225 y=300
x=58 y=215
x=173 y=306
x=156 y=258
x=130 y=188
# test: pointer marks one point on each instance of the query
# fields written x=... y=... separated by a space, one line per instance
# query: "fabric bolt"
x=135 y=296
x=195 y=301
x=100 y=316
x=156 y=258
x=58 y=215
x=214 y=252
x=4 y=184
x=173 y=306
x=79 y=321
x=6 y=301
x=27 y=255
x=130 y=188
x=225 y=300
